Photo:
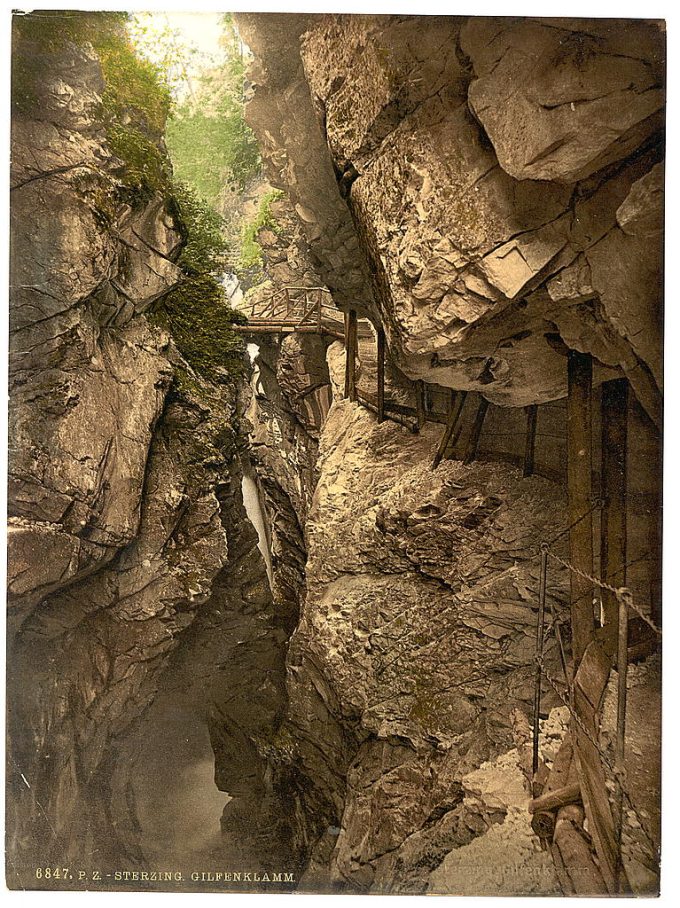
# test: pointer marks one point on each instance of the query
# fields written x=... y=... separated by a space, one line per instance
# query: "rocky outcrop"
x=503 y=179
x=77 y=467
x=562 y=99
x=480 y=261
x=130 y=554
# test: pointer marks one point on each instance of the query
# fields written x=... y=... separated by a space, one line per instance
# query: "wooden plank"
x=473 y=441
x=613 y=525
x=563 y=877
x=381 y=374
x=454 y=416
x=530 y=443
x=420 y=403
x=579 y=481
x=577 y=859
x=590 y=684
x=351 y=355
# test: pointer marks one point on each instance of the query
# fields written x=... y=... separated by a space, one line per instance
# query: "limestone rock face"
x=129 y=548
x=283 y=114
x=562 y=99
x=503 y=180
x=415 y=644
x=483 y=163
x=87 y=382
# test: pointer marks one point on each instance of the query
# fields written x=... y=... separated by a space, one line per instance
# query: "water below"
x=178 y=804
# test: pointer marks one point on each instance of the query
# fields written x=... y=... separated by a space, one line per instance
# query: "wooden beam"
x=530 y=443
x=613 y=525
x=371 y=404
x=568 y=794
x=454 y=416
x=476 y=432
x=590 y=684
x=579 y=480
x=351 y=354
x=381 y=374
x=420 y=403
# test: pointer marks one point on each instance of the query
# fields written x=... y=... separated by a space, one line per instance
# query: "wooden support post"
x=351 y=354
x=579 y=473
x=620 y=756
x=287 y=295
x=473 y=441
x=318 y=310
x=530 y=443
x=453 y=397
x=454 y=417
x=540 y=629
x=381 y=374
x=420 y=403
x=613 y=525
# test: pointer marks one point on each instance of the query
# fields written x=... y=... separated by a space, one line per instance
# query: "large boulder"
x=562 y=99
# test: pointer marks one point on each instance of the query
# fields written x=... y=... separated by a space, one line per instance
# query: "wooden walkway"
x=304 y=310
x=311 y=310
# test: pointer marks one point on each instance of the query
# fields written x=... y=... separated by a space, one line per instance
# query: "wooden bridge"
x=302 y=310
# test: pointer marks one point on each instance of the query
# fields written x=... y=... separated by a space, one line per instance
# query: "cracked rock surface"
x=483 y=248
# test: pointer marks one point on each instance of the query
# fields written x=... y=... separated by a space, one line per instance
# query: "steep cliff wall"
x=490 y=193
x=130 y=552
x=478 y=263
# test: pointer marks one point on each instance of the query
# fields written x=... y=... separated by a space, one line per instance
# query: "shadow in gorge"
x=178 y=804
x=199 y=780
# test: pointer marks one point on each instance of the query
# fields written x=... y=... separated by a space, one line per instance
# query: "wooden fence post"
x=381 y=374
x=351 y=354
x=579 y=480
x=473 y=441
x=613 y=526
x=455 y=412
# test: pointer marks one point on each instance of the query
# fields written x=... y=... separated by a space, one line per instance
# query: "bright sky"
x=200 y=29
x=195 y=39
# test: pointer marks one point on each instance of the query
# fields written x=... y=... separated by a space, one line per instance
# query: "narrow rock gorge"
x=276 y=574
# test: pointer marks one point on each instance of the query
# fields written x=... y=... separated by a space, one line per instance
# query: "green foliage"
x=134 y=108
x=146 y=169
x=212 y=151
x=201 y=325
x=195 y=312
x=135 y=88
x=211 y=145
x=136 y=99
x=205 y=249
x=251 y=251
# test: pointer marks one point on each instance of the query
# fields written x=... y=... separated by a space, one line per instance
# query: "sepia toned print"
x=335 y=454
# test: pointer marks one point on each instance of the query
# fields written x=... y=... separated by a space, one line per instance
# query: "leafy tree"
x=211 y=145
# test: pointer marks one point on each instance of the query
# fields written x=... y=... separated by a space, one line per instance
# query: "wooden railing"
x=293 y=308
